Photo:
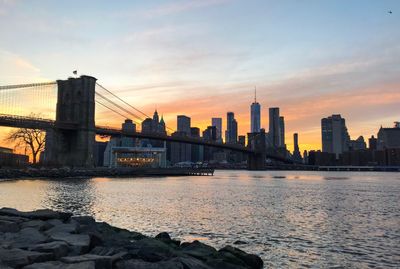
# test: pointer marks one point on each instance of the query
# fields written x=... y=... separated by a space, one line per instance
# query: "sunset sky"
x=203 y=58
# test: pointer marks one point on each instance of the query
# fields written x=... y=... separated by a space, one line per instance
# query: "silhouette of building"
x=10 y=159
x=274 y=130
x=296 y=150
x=358 y=144
x=255 y=116
x=242 y=140
x=282 y=143
x=335 y=138
x=183 y=124
x=372 y=142
x=232 y=129
x=389 y=138
x=217 y=122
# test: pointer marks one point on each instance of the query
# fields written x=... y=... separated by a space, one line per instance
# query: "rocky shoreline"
x=66 y=172
x=45 y=239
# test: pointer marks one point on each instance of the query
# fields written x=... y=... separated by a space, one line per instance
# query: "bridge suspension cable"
x=113 y=110
x=31 y=85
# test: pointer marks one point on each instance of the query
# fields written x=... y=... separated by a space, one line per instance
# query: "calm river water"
x=291 y=219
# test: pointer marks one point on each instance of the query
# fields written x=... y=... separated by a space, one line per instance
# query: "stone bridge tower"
x=257 y=142
x=71 y=142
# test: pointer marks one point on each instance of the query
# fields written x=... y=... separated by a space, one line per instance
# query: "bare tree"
x=33 y=140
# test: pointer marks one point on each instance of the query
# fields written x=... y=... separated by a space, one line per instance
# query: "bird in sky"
x=390 y=12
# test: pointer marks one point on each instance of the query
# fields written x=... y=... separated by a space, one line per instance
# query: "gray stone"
x=252 y=261
x=79 y=242
x=198 y=250
x=43 y=214
x=13 y=219
x=61 y=265
x=63 y=228
x=57 y=248
x=191 y=263
x=18 y=257
x=84 y=220
x=8 y=226
x=164 y=237
x=101 y=262
x=139 y=264
x=152 y=250
x=24 y=238
x=221 y=264
x=37 y=224
x=54 y=222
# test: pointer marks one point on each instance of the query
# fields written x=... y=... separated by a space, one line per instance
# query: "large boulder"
x=101 y=262
x=23 y=239
x=43 y=214
x=17 y=257
x=37 y=224
x=61 y=265
x=140 y=264
x=79 y=243
x=57 y=248
x=63 y=228
x=164 y=237
x=252 y=261
x=8 y=226
x=198 y=250
x=152 y=250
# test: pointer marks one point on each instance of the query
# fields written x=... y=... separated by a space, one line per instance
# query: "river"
x=289 y=218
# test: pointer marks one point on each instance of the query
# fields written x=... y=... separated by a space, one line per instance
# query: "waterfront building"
x=10 y=159
x=197 y=151
x=217 y=122
x=389 y=138
x=296 y=150
x=274 y=124
x=255 y=115
x=232 y=128
x=335 y=138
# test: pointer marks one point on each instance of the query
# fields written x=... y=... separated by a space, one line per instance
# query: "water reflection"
x=75 y=195
x=297 y=220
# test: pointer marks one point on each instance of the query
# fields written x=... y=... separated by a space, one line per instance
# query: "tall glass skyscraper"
x=217 y=122
x=274 y=127
x=232 y=128
x=255 y=116
x=335 y=138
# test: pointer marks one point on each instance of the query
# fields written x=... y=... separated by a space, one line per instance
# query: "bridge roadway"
x=46 y=124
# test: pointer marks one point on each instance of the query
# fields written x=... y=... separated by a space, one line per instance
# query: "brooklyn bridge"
x=69 y=111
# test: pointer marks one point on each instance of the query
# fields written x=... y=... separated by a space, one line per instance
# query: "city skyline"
x=157 y=59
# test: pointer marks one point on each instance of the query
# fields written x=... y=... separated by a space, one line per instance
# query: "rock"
x=63 y=228
x=24 y=238
x=79 y=242
x=139 y=264
x=198 y=250
x=152 y=250
x=61 y=265
x=252 y=261
x=43 y=214
x=8 y=226
x=192 y=263
x=239 y=242
x=54 y=222
x=221 y=264
x=18 y=257
x=84 y=220
x=57 y=248
x=37 y=224
x=164 y=237
x=101 y=262
x=13 y=219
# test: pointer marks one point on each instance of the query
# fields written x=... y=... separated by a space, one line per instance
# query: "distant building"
x=319 y=158
x=217 y=122
x=232 y=129
x=296 y=150
x=10 y=159
x=335 y=138
x=358 y=144
x=372 y=143
x=274 y=127
x=242 y=140
x=282 y=143
x=183 y=124
x=180 y=152
x=210 y=134
x=255 y=115
x=389 y=138
x=197 y=151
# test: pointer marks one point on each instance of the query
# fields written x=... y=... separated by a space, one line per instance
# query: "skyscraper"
x=231 y=132
x=217 y=122
x=282 y=132
x=296 y=150
x=255 y=116
x=274 y=123
x=183 y=123
x=335 y=138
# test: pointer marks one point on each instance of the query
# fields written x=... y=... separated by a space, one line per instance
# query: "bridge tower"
x=71 y=142
x=257 y=142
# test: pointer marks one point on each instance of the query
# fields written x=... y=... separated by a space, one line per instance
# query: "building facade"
x=335 y=138
x=217 y=123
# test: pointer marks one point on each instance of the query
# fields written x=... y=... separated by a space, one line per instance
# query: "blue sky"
x=302 y=55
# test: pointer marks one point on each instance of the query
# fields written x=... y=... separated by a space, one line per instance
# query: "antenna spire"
x=255 y=94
